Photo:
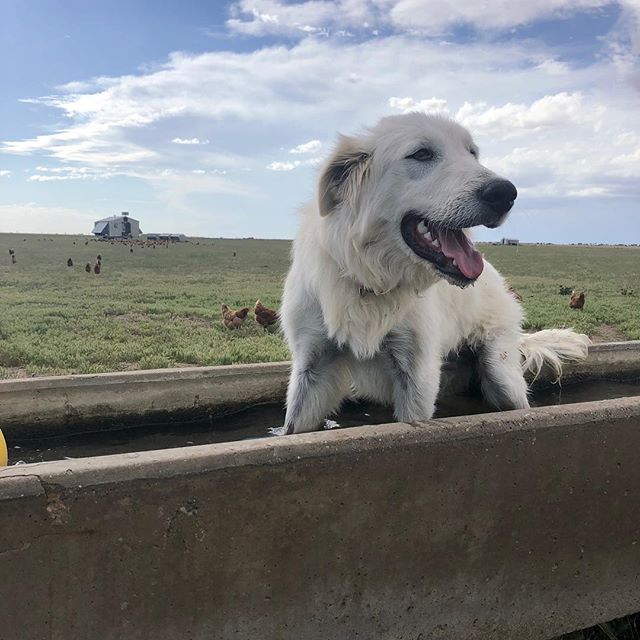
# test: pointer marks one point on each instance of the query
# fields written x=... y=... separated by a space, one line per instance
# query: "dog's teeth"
x=455 y=264
x=436 y=243
x=422 y=227
x=427 y=236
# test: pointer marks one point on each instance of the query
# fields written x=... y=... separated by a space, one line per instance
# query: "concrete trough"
x=49 y=405
x=518 y=525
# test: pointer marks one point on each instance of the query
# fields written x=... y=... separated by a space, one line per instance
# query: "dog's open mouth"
x=448 y=250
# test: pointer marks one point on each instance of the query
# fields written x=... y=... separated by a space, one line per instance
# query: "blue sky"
x=212 y=118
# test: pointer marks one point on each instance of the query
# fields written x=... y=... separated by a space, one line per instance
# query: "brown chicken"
x=87 y=267
x=515 y=294
x=233 y=319
x=577 y=300
x=96 y=268
x=265 y=317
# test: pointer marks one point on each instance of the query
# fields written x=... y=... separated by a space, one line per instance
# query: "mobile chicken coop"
x=114 y=227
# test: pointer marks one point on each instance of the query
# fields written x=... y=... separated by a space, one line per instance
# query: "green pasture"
x=154 y=308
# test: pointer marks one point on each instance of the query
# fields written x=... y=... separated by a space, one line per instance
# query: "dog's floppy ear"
x=343 y=175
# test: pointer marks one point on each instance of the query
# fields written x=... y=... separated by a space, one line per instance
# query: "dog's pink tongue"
x=458 y=247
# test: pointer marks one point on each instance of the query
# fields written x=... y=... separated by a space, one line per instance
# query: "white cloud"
x=272 y=86
x=65 y=172
x=294 y=164
x=213 y=172
x=554 y=67
x=189 y=141
x=429 y=105
x=4 y=173
x=439 y=16
x=283 y=166
x=433 y=17
x=511 y=120
x=588 y=192
x=575 y=167
x=315 y=17
x=313 y=146
x=626 y=165
x=100 y=145
x=631 y=138
x=46 y=178
x=184 y=181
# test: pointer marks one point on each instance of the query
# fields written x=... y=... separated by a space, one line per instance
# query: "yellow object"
x=4 y=456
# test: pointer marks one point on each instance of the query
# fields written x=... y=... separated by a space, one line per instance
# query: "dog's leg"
x=318 y=384
x=415 y=371
x=501 y=379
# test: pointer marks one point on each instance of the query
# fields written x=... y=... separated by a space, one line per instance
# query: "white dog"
x=385 y=281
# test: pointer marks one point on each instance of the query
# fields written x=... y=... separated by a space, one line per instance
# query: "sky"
x=212 y=118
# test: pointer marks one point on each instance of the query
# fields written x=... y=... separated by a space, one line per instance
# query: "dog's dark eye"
x=473 y=152
x=423 y=155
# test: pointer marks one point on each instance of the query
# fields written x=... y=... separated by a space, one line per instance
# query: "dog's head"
x=398 y=200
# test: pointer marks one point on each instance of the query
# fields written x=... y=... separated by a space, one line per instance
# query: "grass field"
x=159 y=307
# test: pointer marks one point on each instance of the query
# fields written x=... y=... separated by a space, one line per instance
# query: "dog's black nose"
x=499 y=195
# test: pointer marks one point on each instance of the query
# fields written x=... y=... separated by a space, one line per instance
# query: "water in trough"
x=259 y=421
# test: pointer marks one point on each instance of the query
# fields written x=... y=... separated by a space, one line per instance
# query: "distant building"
x=166 y=237
x=122 y=226
x=510 y=241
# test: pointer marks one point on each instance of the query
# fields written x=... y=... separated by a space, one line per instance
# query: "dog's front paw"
x=277 y=431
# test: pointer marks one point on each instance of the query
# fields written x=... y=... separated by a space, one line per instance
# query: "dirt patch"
x=15 y=372
x=607 y=333
x=128 y=366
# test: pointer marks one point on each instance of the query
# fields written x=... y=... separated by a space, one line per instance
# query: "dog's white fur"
x=364 y=315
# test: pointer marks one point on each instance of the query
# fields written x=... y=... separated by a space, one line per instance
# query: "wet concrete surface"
x=259 y=422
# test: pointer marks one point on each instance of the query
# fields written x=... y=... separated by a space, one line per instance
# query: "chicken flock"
x=577 y=299
x=265 y=317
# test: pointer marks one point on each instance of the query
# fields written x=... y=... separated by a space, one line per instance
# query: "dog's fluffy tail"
x=552 y=347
